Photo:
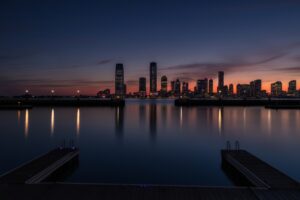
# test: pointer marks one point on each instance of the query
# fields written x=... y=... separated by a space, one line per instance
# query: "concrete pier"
x=256 y=171
x=38 y=169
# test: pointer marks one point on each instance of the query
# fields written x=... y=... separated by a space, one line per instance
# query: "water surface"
x=152 y=141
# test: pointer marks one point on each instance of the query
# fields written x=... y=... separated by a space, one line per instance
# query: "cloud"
x=289 y=69
x=104 y=61
x=209 y=69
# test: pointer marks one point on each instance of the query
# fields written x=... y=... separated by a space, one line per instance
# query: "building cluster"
x=204 y=88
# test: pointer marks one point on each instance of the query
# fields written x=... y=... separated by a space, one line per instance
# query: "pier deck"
x=259 y=173
x=40 y=168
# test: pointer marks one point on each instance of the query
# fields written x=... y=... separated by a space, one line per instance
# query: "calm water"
x=152 y=142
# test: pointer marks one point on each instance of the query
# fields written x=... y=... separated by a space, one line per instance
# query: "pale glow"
x=245 y=118
x=78 y=122
x=52 y=121
x=181 y=118
x=26 y=91
x=269 y=121
x=220 y=120
x=52 y=91
x=19 y=116
x=26 y=126
x=118 y=114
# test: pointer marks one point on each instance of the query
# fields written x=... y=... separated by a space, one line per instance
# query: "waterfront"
x=152 y=141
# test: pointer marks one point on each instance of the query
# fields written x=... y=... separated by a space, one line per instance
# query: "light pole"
x=52 y=93
x=78 y=94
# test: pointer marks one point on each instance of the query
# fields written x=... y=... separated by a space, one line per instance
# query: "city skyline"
x=47 y=46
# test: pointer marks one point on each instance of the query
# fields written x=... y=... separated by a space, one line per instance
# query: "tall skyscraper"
x=211 y=87
x=220 y=81
x=119 y=80
x=153 y=77
x=164 y=85
x=177 y=87
x=142 y=86
x=292 y=87
x=202 y=86
x=185 y=88
x=173 y=86
x=230 y=91
x=276 y=88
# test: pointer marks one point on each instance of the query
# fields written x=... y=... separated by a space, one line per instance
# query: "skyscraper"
x=142 y=86
x=276 y=88
x=202 y=86
x=292 y=87
x=177 y=87
x=163 y=85
x=185 y=88
x=255 y=88
x=173 y=86
x=153 y=77
x=119 y=80
x=230 y=91
x=220 y=81
x=211 y=87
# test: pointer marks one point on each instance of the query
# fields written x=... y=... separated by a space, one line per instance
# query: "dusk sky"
x=70 y=45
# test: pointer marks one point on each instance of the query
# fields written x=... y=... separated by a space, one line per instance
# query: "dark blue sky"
x=67 y=45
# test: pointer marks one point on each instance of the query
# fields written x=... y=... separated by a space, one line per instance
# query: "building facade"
x=119 y=80
x=153 y=78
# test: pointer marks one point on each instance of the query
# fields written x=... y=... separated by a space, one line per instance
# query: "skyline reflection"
x=52 y=121
x=119 y=121
x=26 y=123
x=78 y=122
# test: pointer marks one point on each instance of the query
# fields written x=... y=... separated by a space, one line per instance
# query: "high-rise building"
x=243 y=90
x=276 y=88
x=230 y=91
x=177 y=87
x=255 y=88
x=164 y=84
x=153 y=77
x=173 y=86
x=119 y=80
x=220 y=82
x=124 y=89
x=185 y=88
x=142 y=86
x=292 y=87
x=202 y=86
x=211 y=87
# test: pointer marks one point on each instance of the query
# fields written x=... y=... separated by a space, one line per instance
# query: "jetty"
x=40 y=168
x=28 y=182
x=257 y=172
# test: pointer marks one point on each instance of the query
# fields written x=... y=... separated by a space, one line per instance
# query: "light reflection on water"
x=152 y=141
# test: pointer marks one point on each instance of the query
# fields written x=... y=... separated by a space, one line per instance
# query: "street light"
x=52 y=92
x=26 y=91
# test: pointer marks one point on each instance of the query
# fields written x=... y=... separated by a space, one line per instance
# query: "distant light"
x=78 y=91
x=52 y=91
x=26 y=91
